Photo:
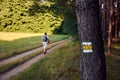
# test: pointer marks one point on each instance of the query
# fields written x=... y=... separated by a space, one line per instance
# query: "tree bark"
x=117 y=20
x=110 y=27
x=105 y=22
x=92 y=47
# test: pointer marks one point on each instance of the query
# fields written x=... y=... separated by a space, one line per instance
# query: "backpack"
x=44 y=39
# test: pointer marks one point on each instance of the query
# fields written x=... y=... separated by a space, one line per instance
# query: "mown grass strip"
x=115 y=48
x=11 y=48
x=113 y=68
x=4 y=68
x=62 y=64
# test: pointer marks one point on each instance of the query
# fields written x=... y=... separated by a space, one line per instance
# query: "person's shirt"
x=45 y=38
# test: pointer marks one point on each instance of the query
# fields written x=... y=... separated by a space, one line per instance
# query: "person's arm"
x=48 y=39
x=41 y=38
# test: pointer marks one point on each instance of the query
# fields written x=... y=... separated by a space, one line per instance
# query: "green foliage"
x=35 y=16
x=70 y=25
x=21 y=16
x=67 y=9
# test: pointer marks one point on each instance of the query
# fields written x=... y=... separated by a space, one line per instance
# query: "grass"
x=10 y=36
x=113 y=63
x=62 y=64
x=10 y=48
x=116 y=48
x=113 y=68
x=11 y=65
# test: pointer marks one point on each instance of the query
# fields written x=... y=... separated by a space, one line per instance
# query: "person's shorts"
x=44 y=44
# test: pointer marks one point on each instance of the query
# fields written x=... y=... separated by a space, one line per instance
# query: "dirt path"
x=13 y=58
x=17 y=70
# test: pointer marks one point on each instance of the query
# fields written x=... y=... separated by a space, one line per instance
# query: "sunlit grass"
x=10 y=36
x=10 y=48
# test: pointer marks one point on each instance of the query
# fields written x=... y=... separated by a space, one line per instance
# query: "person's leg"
x=44 y=47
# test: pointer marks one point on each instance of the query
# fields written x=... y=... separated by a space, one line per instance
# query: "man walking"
x=45 y=40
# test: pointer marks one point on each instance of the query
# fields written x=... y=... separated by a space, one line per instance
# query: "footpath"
x=22 y=67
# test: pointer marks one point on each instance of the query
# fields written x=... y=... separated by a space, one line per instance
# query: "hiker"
x=45 y=41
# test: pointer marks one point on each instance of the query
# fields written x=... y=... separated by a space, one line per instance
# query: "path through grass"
x=62 y=64
x=10 y=48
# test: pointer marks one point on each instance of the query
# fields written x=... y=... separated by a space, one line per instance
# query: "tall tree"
x=92 y=48
x=105 y=22
x=110 y=26
x=117 y=19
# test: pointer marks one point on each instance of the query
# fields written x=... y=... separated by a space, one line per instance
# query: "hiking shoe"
x=44 y=52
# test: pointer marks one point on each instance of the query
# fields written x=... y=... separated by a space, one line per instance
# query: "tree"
x=110 y=26
x=92 y=48
x=117 y=19
x=105 y=21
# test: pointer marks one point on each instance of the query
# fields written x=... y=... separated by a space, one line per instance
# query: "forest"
x=54 y=16
x=37 y=16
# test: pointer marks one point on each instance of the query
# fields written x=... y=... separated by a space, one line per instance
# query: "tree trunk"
x=116 y=26
x=105 y=23
x=117 y=21
x=92 y=48
x=110 y=27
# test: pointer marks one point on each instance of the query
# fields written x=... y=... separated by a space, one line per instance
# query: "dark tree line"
x=110 y=13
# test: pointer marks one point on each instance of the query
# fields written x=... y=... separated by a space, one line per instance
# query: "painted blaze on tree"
x=92 y=48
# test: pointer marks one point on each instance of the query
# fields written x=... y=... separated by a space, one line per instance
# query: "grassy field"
x=113 y=68
x=116 y=48
x=10 y=36
x=10 y=65
x=13 y=45
x=63 y=64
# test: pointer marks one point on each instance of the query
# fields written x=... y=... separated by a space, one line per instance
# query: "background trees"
x=27 y=16
x=110 y=21
x=36 y=16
